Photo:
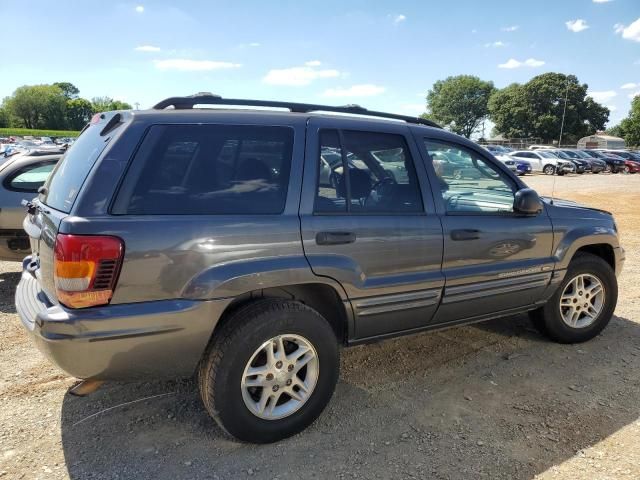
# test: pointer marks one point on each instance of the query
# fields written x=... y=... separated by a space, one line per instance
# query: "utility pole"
x=564 y=111
x=137 y=104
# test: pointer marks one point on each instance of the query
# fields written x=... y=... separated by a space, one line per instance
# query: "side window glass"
x=30 y=179
x=468 y=183
x=380 y=175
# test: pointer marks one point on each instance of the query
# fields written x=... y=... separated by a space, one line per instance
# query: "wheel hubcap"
x=582 y=300
x=280 y=377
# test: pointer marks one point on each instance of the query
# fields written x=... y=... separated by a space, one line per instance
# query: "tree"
x=69 y=90
x=5 y=119
x=629 y=128
x=535 y=109
x=79 y=111
x=459 y=103
x=106 y=104
x=38 y=106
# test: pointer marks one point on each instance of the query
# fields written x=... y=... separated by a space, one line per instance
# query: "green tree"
x=535 y=109
x=79 y=111
x=629 y=128
x=38 y=106
x=106 y=104
x=5 y=119
x=459 y=103
x=69 y=90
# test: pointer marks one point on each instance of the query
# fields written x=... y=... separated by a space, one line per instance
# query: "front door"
x=372 y=227
x=495 y=260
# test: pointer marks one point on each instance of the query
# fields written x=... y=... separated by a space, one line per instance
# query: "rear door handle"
x=335 y=238
x=465 y=234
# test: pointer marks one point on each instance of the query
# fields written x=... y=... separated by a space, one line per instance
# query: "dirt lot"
x=493 y=400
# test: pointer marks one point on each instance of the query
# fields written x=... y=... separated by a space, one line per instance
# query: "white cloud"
x=602 y=96
x=398 y=19
x=313 y=63
x=186 y=65
x=139 y=9
x=474 y=31
x=254 y=44
x=612 y=108
x=634 y=94
x=512 y=28
x=631 y=32
x=497 y=44
x=577 y=25
x=529 y=62
x=299 y=76
x=364 y=90
x=602 y=1
x=629 y=86
x=147 y=48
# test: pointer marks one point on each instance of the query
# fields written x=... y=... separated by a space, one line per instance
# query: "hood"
x=570 y=206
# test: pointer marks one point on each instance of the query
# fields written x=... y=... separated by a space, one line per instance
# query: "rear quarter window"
x=208 y=169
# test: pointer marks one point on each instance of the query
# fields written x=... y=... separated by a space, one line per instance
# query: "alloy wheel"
x=582 y=300
x=280 y=377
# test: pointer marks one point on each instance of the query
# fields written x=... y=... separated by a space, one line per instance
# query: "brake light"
x=86 y=268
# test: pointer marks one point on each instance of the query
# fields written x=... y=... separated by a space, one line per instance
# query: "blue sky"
x=382 y=55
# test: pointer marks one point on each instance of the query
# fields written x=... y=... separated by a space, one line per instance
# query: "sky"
x=381 y=55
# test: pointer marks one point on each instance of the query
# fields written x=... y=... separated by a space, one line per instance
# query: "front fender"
x=232 y=279
x=576 y=238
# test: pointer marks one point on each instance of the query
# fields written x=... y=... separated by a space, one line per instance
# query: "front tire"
x=583 y=304
x=549 y=170
x=270 y=371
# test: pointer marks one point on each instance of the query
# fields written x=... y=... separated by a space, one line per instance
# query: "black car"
x=615 y=163
x=597 y=165
x=582 y=165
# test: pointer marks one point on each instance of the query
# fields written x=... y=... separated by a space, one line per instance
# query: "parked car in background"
x=615 y=163
x=544 y=161
x=631 y=160
x=597 y=165
x=540 y=147
x=20 y=178
x=582 y=165
x=519 y=167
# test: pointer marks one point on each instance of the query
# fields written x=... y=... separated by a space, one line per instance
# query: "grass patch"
x=21 y=132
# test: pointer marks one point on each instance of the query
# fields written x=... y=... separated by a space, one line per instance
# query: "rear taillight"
x=86 y=269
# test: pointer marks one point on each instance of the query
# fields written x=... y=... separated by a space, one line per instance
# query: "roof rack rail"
x=205 y=98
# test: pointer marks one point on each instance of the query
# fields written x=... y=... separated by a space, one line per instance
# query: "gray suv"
x=184 y=240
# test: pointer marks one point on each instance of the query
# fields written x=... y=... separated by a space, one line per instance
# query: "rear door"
x=373 y=228
x=494 y=259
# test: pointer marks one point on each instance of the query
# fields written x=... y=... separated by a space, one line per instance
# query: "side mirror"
x=527 y=202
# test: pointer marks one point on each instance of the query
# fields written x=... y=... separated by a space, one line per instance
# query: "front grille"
x=105 y=275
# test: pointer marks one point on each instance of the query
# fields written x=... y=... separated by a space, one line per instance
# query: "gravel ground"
x=493 y=400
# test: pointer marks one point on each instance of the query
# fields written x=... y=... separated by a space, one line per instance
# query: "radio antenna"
x=564 y=112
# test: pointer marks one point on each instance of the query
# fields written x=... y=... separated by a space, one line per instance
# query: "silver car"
x=20 y=178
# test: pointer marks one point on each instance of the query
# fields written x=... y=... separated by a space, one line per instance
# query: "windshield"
x=571 y=154
x=547 y=154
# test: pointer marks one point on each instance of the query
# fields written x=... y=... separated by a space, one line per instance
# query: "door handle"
x=465 y=234
x=335 y=238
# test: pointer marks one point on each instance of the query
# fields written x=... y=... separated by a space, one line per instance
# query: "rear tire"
x=592 y=313
x=264 y=336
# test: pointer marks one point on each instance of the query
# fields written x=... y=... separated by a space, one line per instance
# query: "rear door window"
x=208 y=169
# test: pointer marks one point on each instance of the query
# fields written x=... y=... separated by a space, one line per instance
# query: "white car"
x=543 y=161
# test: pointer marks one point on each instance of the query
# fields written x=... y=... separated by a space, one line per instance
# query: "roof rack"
x=205 y=98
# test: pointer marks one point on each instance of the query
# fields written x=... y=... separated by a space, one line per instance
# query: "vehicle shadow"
x=8 y=283
x=494 y=400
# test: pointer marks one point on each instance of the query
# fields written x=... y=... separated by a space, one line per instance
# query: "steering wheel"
x=375 y=194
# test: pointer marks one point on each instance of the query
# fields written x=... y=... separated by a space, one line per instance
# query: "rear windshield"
x=208 y=169
x=65 y=181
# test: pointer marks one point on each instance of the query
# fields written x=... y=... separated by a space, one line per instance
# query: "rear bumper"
x=162 y=339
